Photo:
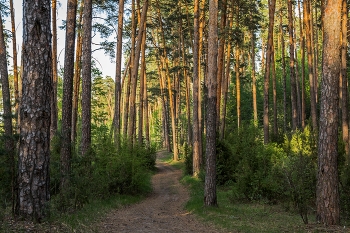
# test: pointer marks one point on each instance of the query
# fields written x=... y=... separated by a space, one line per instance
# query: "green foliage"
x=105 y=171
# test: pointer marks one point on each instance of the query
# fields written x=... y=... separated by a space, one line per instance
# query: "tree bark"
x=54 y=109
x=68 y=76
x=308 y=32
x=77 y=78
x=118 y=75
x=15 y=65
x=272 y=7
x=34 y=148
x=327 y=194
x=210 y=198
x=86 y=79
x=292 y=67
x=344 y=81
x=134 y=73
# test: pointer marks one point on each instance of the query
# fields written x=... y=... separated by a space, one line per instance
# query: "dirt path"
x=162 y=212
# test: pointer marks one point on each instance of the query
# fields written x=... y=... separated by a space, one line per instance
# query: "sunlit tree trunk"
x=132 y=59
x=274 y=93
x=77 y=74
x=14 y=56
x=196 y=84
x=327 y=193
x=86 y=79
x=142 y=87
x=292 y=67
x=68 y=76
x=171 y=99
x=302 y=50
x=35 y=113
x=134 y=74
x=238 y=85
x=210 y=198
x=221 y=56
x=255 y=106
x=118 y=74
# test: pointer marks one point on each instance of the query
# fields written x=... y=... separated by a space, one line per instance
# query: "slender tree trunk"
x=132 y=59
x=196 y=84
x=309 y=42
x=344 y=81
x=272 y=7
x=302 y=41
x=284 y=76
x=255 y=106
x=68 y=76
x=134 y=73
x=292 y=67
x=34 y=148
x=171 y=99
x=9 y=146
x=118 y=74
x=221 y=56
x=145 y=104
x=238 y=86
x=142 y=87
x=86 y=79
x=274 y=93
x=210 y=198
x=327 y=193
x=225 y=83
x=77 y=73
x=54 y=109
x=14 y=56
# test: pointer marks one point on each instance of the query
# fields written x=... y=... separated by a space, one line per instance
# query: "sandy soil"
x=162 y=211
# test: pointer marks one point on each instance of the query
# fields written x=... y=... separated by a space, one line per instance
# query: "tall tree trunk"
x=274 y=93
x=142 y=87
x=9 y=145
x=34 y=148
x=327 y=193
x=54 y=109
x=210 y=198
x=225 y=83
x=302 y=42
x=146 y=115
x=132 y=59
x=68 y=76
x=77 y=74
x=171 y=99
x=134 y=73
x=86 y=79
x=238 y=85
x=255 y=106
x=292 y=67
x=221 y=56
x=195 y=92
x=15 y=65
x=308 y=32
x=284 y=76
x=118 y=74
x=344 y=81
x=272 y=7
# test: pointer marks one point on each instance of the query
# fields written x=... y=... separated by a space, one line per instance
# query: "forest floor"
x=162 y=211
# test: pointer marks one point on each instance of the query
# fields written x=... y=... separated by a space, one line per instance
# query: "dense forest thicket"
x=252 y=95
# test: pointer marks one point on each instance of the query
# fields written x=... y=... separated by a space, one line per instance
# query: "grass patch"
x=248 y=217
x=82 y=220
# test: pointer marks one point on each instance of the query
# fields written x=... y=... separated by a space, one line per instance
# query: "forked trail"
x=162 y=211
